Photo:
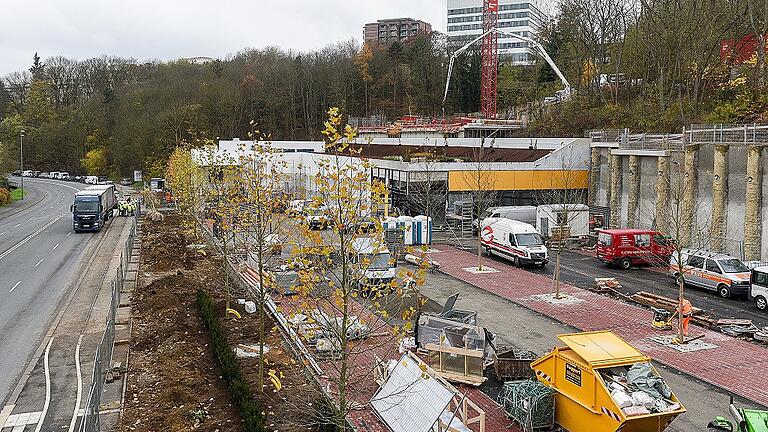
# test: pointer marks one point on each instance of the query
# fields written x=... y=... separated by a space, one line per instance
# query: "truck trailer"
x=93 y=207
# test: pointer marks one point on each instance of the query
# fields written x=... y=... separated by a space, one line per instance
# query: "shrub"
x=240 y=393
x=5 y=196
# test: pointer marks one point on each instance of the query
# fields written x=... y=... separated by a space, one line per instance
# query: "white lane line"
x=28 y=238
x=57 y=245
x=69 y=233
x=79 y=385
x=14 y=287
x=17 y=225
x=38 y=263
x=47 y=387
x=2 y=233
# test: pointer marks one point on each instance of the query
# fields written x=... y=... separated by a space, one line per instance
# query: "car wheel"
x=489 y=251
x=724 y=291
x=761 y=303
x=517 y=262
x=626 y=263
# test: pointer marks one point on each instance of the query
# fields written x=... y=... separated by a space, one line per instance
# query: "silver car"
x=724 y=274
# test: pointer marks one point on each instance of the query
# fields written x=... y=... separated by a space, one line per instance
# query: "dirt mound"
x=165 y=244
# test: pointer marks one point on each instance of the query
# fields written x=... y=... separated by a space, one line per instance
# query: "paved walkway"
x=735 y=365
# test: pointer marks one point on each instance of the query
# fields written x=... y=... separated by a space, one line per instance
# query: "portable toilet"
x=423 y=229
x=595 y=390
x=389 y=223
x=406 y=224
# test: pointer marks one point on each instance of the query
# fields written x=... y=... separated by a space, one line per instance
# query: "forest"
x=649 y=65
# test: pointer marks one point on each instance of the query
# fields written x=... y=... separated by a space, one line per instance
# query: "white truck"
x=516 y=241
x=758 y=290
x=374 y=265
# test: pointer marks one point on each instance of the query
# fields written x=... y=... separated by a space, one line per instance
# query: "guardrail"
x=103 y=359
x=716 y=134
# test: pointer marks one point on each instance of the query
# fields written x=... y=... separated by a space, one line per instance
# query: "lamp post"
x=21 y=159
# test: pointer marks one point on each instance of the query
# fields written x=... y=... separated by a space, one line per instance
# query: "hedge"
x=240 y=392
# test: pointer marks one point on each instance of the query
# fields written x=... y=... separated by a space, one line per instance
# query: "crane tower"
x=490 y=59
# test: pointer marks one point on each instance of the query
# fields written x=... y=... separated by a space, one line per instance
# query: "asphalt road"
x=581 y=270
x=38 y=255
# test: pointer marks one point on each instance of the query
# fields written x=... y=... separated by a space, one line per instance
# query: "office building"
x=465 y=22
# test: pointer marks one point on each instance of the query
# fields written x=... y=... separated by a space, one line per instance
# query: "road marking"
x=17 y=225
x=69 y=233
x=28 y=238
x=38 y=263
x=57 y=245
x=47 y=387
x=14 y=287
x=79 y=385
x=2 y=233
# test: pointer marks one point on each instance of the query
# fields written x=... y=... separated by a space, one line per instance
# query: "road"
x=38 y=255
x=580 y=270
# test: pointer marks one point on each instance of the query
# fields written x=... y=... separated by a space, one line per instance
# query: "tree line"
x=651 y=65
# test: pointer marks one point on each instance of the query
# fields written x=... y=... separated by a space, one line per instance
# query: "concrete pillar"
x=690 y=189
x=634 y=191
x=615 y=198
x=752 y=205
x=661 y=213
x=594 y=175
x=719 y=198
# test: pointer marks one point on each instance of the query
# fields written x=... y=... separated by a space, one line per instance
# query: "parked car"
x=36 y=173
x=126 y=181
x=628 y=247
x=724 y=274
x=758 y=288
x=16 y=173
x=516 y=241
x=27 y=173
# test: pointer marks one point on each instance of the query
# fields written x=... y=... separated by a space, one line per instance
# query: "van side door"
x=712 y=274
x=694 y=268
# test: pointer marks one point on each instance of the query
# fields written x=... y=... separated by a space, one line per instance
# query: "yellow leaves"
x=275 y=379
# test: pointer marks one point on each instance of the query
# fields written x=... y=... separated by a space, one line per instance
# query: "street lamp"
x=21 y=159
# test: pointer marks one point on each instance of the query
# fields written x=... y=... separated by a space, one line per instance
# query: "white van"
x=724 y=274
x=573 y=217
x=514 y=240
x=525 y=214
x=92 y=180
x=374 y=263
x=758 y=288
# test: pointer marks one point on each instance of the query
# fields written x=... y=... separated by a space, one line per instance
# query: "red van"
x=628 y=247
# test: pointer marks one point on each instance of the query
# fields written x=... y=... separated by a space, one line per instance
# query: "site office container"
x=628 y=247
x=582 y=399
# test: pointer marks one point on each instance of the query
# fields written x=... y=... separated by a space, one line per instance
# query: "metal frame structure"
x=562 y=95
x=490 y=59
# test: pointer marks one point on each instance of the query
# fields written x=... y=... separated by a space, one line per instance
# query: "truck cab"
x=516 y=241
x=93 y=207
x=758 y=288
x=374 y=265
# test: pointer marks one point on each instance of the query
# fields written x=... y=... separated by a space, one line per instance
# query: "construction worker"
x=684 y=315
x=129 y=205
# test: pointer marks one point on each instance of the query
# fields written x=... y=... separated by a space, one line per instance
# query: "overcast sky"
x=170 y=29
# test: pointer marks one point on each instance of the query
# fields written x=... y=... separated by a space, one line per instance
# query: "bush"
x=240 y=393
x=5 y=196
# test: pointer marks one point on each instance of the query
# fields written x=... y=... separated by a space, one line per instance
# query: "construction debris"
x=529 y=403
x=670 y=305
x=513 y=364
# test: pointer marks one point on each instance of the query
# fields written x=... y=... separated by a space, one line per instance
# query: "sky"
x=172 y=29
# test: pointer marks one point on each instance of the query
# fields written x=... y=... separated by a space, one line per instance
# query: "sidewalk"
x=733 y=365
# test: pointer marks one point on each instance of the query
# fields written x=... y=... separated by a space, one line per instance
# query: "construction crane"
x=490 y=59
x=561 y=95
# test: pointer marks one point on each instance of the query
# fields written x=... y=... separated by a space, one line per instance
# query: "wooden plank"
x=454 y=350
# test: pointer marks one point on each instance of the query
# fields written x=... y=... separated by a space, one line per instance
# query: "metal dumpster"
x=603 y=384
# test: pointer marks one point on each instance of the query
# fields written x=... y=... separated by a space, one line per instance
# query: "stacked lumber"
x=669 y=304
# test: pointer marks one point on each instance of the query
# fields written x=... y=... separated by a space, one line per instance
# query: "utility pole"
x=21 y=159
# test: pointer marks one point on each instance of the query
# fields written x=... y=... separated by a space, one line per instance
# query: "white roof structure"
x=411 y=400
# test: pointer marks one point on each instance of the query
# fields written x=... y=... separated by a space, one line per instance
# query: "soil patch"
x=174 y=381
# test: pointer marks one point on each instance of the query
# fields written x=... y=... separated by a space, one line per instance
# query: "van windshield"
x=86 y=206
x=732 y=265
x=378 y=261
x=532 y=239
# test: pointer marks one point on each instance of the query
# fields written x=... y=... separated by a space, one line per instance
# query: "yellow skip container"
x=603 y=384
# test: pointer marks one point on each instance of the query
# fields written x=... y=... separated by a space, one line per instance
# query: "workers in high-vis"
x=684 y=315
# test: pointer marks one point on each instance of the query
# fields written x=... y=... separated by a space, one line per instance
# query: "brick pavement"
x=735 y=366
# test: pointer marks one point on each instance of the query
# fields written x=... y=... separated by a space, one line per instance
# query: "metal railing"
x=103 y=359
x=745 y=134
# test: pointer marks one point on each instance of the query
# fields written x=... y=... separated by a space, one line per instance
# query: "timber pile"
x=669 y=304
x=609 y=286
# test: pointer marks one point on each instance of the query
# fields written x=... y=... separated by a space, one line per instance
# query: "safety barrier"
x=103 y=359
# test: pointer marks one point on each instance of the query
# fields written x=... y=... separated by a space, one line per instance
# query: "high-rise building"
x=465 y=22
x=396 y=29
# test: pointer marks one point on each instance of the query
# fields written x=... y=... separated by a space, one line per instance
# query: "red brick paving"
x=734 y=366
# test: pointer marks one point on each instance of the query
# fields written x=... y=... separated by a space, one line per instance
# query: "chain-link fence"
x=103 y=359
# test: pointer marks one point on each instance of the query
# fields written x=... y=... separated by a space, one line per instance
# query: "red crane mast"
x=490 y=59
